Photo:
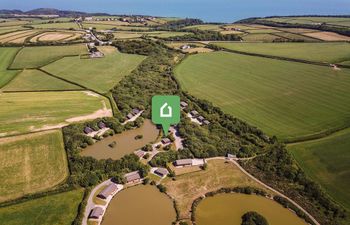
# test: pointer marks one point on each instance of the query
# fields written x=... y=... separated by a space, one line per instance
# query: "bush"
x=253 y=218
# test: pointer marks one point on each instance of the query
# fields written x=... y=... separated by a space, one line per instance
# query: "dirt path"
x=98 y=114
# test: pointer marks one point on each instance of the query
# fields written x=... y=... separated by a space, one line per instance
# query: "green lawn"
x=35 y=80
x=24 y=112
x=327 y=160
x=318 y=52
x=34 y=57
x=6 y=56
x=59 y=209
x=31 y=163
x=287 y=99
x=100 y=74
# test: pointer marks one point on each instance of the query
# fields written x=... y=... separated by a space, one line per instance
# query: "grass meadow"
x=287 y=99
x=31 y=111
x=35 y=80
x=34 y=57
x=100 y=74
x=326 y=161
x=6 y=56
x=31 y=163
x=56 y=26
x=58 y=209
x=317 y=52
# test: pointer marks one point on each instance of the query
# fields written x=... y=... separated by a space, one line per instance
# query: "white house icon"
x=162 y=109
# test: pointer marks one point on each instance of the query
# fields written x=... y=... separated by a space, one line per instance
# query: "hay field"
x=58 y=209
x=259 y=37
x=99 y=74
x=286 y=99
x=328 y=36
x=17 y=37
x=7 y=55
x=326 y=161
x=32 y=111
x=34 y=57
x=187 y=187
x=31 y=163
x=35 y=80
x=317 y=52
x=68 y=25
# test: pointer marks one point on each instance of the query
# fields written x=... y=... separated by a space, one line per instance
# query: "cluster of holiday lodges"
x=135 y=177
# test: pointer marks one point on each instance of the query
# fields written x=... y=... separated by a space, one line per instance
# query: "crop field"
x=127 y=34
x=32 y=111
x=100 y=74
x=58 y=209
x=56 y=26
x=34 y=57
x=187 y=187
x=7 y=55
x=31 y=163
x=259 y=37
x=212 y=27
x=4 y=30
x=312 y=20
x=293 y=36
x=317 y=52
x=107 y=27
x=56 y=36
x=13 y=23
x=17 y=36
x=271 y=94
x=35 y=80
x=262 y=31
x=326 y=161
x=328 y=36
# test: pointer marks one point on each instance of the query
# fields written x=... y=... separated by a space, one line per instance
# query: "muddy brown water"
x=125 y=142
x=227 y=209
x=140 y=205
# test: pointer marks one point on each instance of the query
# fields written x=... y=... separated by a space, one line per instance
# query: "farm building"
x=96 y=213
x=194 y=113
x=200 y=118
x=88 y=130
x=132 y=177
x=88 y=19
x=206 y=122
x=101 y=125
x=184 y=47
x=161 y=172
x=140 y=153
x=183 y=162
x=129 y=116
x=166 y=141
x=183 y=105
x=230 y=156
x=109 y=190
x=135 y=111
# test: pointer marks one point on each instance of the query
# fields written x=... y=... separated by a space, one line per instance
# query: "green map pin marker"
x=166 y=111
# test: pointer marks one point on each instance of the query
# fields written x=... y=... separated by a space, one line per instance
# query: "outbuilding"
x=132 y=177
x=183 y=104
x=96 y=213
x=109 y=190
x=161 y=172
x=101 y=125
x=166 y=141
x=88 y=130
x=183 y=162
x=194 y=113
x=129 y=116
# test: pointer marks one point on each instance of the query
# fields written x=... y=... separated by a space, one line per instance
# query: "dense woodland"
x=253 y=218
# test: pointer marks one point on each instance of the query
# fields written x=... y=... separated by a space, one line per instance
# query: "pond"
x=142 y=204
x=115 y=147
x=227 y=209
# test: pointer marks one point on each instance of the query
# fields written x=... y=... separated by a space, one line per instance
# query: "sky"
x=207 y=10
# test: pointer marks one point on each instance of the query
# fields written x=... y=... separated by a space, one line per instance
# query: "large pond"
x=125 y=143
x=227 y=209
x=140 y=205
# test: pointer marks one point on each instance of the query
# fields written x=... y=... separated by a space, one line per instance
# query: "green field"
x=34 y=57
x=6 y=56
x=259 y=37
x=35 y=80
x=100 y=74
x=326 y=161
x=59 y=209
x=318 y=52
x=31 y=163
x=286 y=99
x=212 y=27
x=56 y=26
x=24 y=112
x=342 y=21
